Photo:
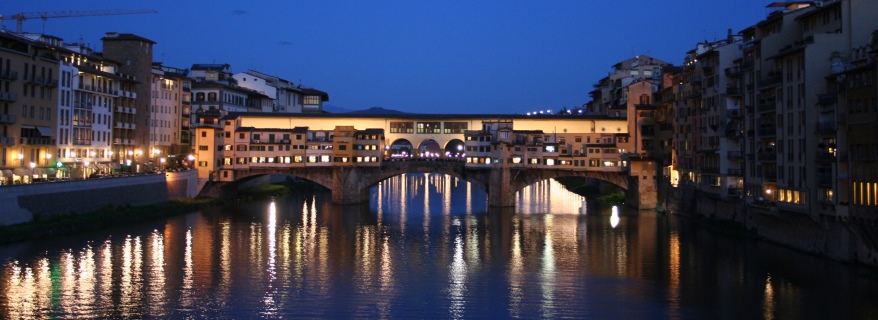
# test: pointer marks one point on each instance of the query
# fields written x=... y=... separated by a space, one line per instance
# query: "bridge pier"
x=348 y=186
x=501 y=192
x=642 y=193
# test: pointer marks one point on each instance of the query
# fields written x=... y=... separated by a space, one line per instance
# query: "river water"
x=426 y=246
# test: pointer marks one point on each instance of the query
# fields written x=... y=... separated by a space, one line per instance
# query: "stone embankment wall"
x=22 y=203
x=848 y=241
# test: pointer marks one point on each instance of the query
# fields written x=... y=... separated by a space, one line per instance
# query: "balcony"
x=735 y=172
x=733 y=113
x=733 y=91
x=734 y=155
x=7 y=141
x=9 y=75
x=767 y=131
x=825 y=156
x=7 y=118
x=733 y=133
x=827 y=99
x=826 y=127
x=767 y=106
x=710 y=170
x=129 y=110
x=31 y=141
x=43 y=81
x=8 y=96
x=734 y=71
x=770 y=81
x=824 y=181
x=767 y=156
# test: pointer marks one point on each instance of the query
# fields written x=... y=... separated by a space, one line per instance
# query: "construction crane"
x=22 y=16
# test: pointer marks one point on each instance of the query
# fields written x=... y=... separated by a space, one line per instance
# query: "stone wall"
x=22 y=203
x=848 y=241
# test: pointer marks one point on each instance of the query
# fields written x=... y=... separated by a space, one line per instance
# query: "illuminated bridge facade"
x=351 y=153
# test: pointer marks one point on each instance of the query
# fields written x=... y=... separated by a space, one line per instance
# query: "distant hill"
x=376 y=110
x=335 y=109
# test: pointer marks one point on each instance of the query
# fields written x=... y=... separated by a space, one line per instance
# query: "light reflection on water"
x=426 y=247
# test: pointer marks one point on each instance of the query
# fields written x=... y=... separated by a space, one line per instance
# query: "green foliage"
x=612 y=198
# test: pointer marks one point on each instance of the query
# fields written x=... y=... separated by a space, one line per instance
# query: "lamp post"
x=137 y=153
x=21 y=159
x=32 y=166
x=162 y=160
x=155 y=154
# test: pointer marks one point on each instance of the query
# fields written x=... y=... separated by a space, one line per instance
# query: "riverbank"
x=108 y=215
x=105 y=217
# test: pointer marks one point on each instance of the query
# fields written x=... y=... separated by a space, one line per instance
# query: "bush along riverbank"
x=44 y=227
x=579 y=186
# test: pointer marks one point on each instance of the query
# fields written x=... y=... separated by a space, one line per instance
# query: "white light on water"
x=614 y=219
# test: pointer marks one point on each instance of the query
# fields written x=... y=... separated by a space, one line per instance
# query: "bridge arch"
x=352 y=184
x=529 y=177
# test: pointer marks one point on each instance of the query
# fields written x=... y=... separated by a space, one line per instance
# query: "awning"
x=116 y=165
x=21 y=171
x=40 y=171
x=7 y=173
x=45 y=131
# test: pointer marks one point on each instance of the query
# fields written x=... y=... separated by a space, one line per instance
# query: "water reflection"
x=425 y=247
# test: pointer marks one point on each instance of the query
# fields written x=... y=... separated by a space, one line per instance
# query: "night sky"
x=416 y=56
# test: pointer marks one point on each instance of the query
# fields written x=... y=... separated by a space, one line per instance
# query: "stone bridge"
x=350 y=185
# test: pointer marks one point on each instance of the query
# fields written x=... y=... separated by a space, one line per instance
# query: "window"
x=311 y=100
x=455 y=127
x=429 y=127
x=401 y=127
x=202 y=148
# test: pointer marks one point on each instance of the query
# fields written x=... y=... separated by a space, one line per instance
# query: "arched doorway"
x=455 y=149
x=401 y=148
x=429 y=149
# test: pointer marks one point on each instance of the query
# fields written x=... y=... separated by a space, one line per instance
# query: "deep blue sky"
x=414 y=55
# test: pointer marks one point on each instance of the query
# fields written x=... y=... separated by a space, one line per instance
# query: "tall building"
x=708 y=118
x=215 y=88
x=134 y=54
x=792 y=132
x=170 y=110
x=286 y=97
x=96 y=112
x=609 y=97
x=29 y=73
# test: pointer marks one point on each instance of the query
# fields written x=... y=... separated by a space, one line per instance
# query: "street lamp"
x=32 y=166
x=21 y=159
x=162 y=160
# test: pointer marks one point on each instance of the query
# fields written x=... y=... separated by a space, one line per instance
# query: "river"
x=426 y=246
